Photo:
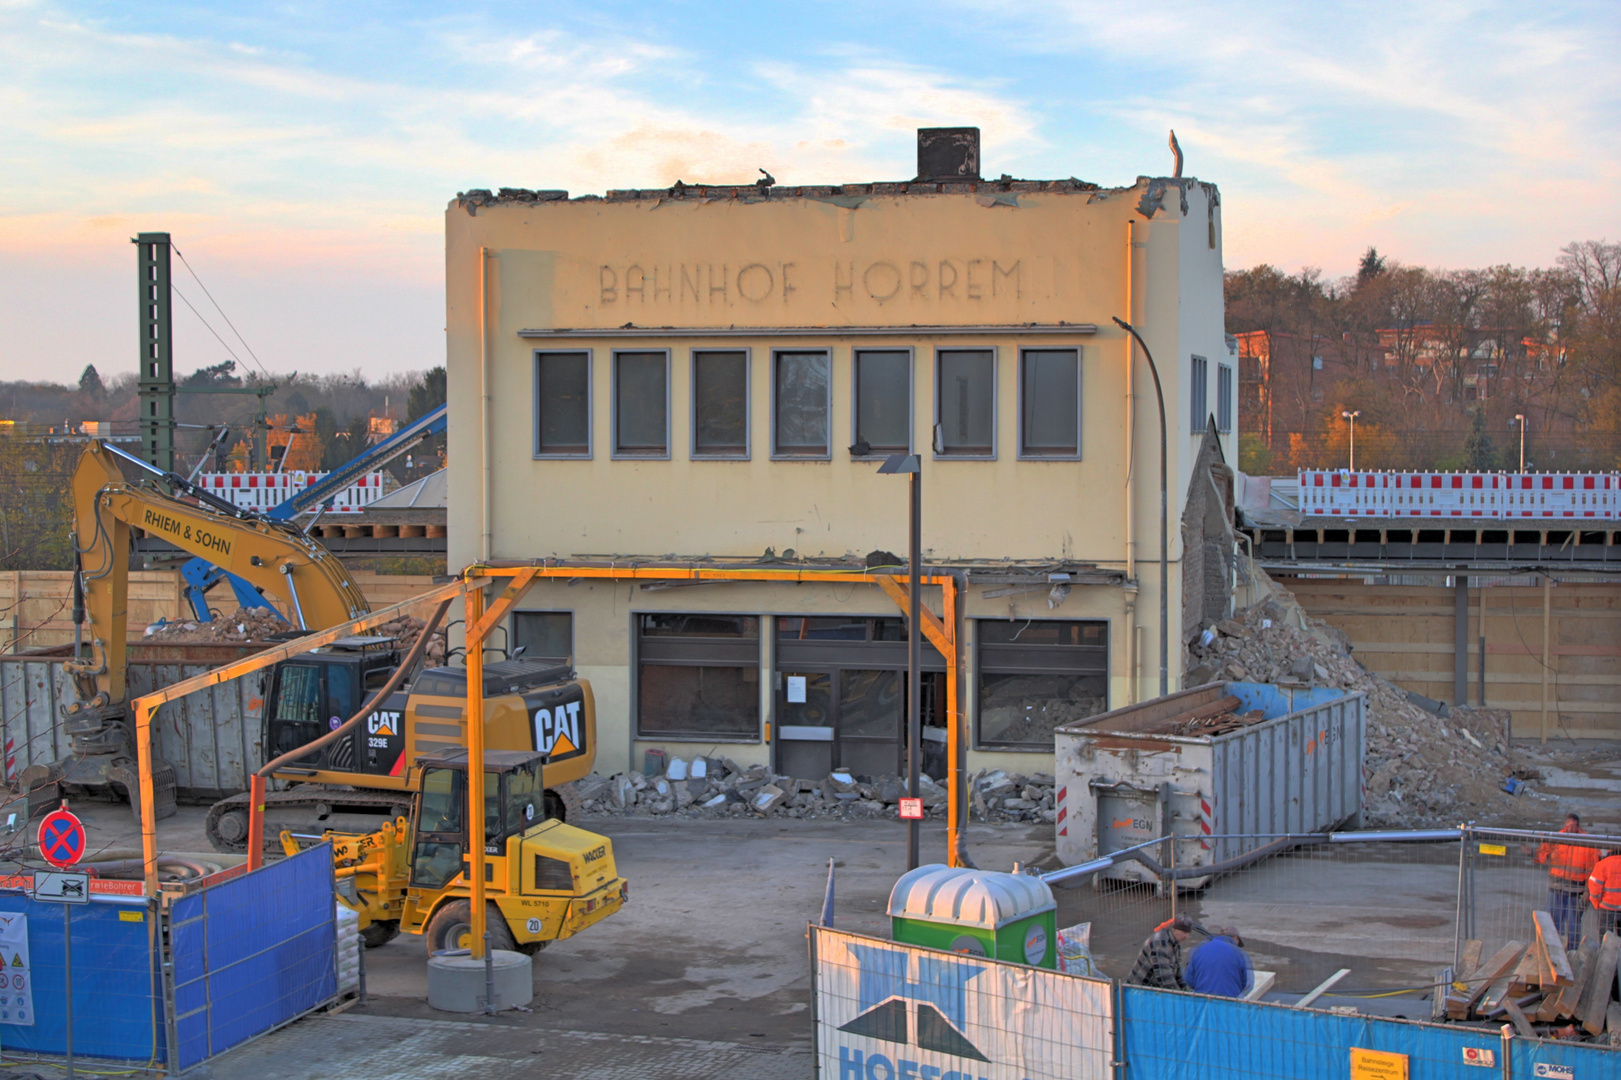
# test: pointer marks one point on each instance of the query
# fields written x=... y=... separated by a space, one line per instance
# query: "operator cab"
x=514 y=801
x=314 y=692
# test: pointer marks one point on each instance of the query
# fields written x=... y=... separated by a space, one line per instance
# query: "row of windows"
x=802 y=402
x=1199 y=413
x=698 y=675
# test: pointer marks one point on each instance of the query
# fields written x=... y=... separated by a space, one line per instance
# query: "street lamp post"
x=912 y=465
x=1351 y=416
x=1164 y=527
x=1519 y=418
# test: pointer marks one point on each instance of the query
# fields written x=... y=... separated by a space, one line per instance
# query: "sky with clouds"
x=302 y=153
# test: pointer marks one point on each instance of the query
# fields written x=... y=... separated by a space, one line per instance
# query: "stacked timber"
x=1217 y=718
x=1541 y=988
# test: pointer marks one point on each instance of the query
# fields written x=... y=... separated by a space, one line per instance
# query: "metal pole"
x=914 y=712
x=1353 y=444
x=67 y=954
x=1164 y=525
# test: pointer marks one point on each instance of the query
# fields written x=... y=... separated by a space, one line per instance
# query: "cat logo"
x=383 y=722
x=557 y=730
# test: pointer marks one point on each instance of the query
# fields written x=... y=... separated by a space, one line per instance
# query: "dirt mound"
x=1422 y=768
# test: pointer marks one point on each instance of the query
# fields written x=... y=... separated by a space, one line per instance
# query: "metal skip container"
x=212 y=737
x=1122 y=782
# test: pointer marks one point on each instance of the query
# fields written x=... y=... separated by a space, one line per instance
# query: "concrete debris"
x=722 y=788
x=1420 y=770
x=259 y=625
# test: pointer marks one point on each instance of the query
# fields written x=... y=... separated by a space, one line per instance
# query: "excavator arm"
x=272 y=556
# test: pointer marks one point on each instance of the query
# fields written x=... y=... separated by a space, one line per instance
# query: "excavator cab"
x=315 y=692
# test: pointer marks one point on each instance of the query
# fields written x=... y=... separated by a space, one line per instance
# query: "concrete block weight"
x=456 y=981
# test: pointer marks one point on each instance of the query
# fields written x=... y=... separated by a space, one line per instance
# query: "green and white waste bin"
x=978 y=912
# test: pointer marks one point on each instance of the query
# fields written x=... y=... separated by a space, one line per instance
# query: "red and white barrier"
x=261 y=491
x=1500 y=496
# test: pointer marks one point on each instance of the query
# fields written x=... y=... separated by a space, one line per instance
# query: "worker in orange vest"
x=1568 y=868
x=1604 y=891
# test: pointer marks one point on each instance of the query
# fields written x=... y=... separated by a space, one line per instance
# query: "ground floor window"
x=1035 y=674
x=544 y=635
x=698 y=676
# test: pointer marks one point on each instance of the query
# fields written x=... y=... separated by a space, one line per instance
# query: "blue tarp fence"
x=1151 y=1034
x=248 y=955
x=117 y=988
x=251 y=954
x=1175 y=1036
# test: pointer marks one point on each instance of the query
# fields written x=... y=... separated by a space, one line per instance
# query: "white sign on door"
x=796 y=689
x=16 y=978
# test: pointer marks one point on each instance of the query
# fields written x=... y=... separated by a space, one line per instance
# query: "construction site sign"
x=16 y=978
x=1377 y=1065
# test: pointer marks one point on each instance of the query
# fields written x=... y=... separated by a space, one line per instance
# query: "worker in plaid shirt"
x=1160 y=963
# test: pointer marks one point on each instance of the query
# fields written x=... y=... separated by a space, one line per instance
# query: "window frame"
x=776 y=451
x=1199 y=384
x=935 y=444
x=540 y=454
x=1025 y=454
x=855 y=398
x=614 y=451
x=748 y=405
x=512 y=626
x=1225 y=399
x=977 y=686
x=761 y=715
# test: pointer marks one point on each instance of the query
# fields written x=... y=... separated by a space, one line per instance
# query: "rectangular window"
x=698 y=676
x=544 y=635
x=1224 y=398
x=1200 y=394
x=800 y=387
x=641 y=404
x=720 y=404
x=883 y=406
x=965 y=403
x=563 y=404
x=1050 y=403
x=1035 y=674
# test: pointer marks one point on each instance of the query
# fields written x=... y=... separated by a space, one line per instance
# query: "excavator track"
x=339 y=809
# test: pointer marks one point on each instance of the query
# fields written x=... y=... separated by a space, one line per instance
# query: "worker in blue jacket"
x=1220 y=967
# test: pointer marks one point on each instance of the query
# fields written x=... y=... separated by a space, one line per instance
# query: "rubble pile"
x=708 y=787
x=1422 y=768
x=247 y=625
x=242 y=625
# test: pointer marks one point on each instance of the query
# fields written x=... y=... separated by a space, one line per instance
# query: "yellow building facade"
x=712 y=376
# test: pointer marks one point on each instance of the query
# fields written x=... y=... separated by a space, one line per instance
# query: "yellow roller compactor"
x=544 y=879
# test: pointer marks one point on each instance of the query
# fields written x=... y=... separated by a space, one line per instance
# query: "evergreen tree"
x=90 y=384
x=1479 y=455
x=1370 y=267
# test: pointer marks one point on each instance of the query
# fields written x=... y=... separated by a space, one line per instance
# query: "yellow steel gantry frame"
x=479 y=621
x=941 y=632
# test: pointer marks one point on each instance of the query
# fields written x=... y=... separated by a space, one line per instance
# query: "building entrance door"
x=847 y=718
x=841 y=697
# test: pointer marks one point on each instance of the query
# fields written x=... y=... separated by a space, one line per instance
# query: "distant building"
x=712 y=375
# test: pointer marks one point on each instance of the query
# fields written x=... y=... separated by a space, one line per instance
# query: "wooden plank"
x=1552 y=950
x=1263 y=984
x=1563 y=1002
x=1594 y=1008
x=1521 y=1024
x=1502 y=961
x=1469 y=958
x=1613 y=1024
x=1322 y=988
x=1496 y=994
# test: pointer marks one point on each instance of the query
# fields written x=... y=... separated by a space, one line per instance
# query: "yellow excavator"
x=354 y=783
